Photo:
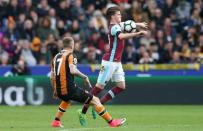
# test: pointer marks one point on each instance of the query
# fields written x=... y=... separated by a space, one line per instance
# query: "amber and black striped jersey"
x=61 y=77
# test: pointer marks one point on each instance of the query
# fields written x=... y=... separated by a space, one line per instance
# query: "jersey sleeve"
x=116 y=30
x=70 y=59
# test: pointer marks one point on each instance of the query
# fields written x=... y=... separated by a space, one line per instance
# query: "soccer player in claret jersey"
x=111 y=67
x=63 y=70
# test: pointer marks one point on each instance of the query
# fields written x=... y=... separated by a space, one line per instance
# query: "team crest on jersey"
x=102 y=69
x=75 y=61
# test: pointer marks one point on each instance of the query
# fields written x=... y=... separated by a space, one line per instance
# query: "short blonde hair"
x=68 y=41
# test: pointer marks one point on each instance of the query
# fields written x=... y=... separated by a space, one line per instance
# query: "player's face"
x=117 y=16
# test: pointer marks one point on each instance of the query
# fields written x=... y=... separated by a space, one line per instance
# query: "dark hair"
x=111 y=11
x=68 y=41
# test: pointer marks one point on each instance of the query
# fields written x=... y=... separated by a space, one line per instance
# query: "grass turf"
x=139 y=118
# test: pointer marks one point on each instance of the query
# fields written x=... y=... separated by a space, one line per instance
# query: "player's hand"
x=87 y=82
x=144 y=25
x=55 y=95
x=143 y=32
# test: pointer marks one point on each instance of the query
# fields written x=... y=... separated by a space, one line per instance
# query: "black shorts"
x=77 y=94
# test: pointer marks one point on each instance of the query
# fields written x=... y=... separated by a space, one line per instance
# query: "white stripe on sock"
x=111 y=93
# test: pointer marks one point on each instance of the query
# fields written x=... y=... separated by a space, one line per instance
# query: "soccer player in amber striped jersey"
x=63 y=70
x=111 y=67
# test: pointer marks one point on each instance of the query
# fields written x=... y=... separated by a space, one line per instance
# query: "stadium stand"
x=32 y=30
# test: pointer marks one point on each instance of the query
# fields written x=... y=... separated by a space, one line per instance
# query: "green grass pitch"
x=139 y=118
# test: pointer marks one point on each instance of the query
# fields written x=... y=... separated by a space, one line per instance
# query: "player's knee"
x=95 y=100
x=121 y=85
x=100 y=86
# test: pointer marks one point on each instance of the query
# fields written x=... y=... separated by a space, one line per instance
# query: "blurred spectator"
x=201 y=42
x=129 y=55
x=167 y=54
x=146 y=59
x=2 y=51
x=168 y=8
x=43 y=8
x=43 y=23
x=7 y=45
x=63 y=9
x=52 y=15
x=175 y=22
x=61 y=27
x=90 y=56
x=153 y=28
x=42 y=61
x=12 y=33
x=153 y=50
x=35 y=47
x=176 y=58
x=183 y=9
x=78 y=51
x=169 y=31
x=160 y=41
x=91 y=28
x=96 y=41
x=34 y=17
x=28 y=7
x=185 y=53
x=4 y=59
x=135 y=12
x=178 y=43
x=90 y=10
x=99 y=21
x=76 y=31
x=45 y=29
x=21 y=20
x=193 y=57
x=13 y=9
x=51 y=48
x=77 y=7
x=99 y=4
x=158 y=17
x=192 y=37
x=147 y=39
x=83 y=21
x=151 y=8
x=28 y=32
x=2 y=9
x=195 y=17
x=26 y=53
x=20 y=69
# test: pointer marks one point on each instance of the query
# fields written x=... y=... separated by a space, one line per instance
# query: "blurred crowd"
x=31 y=30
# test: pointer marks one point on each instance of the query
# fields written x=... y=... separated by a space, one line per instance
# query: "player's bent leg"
x=119 y=78
x=82 y=117
x=120 y=87
x=100 y=109
x=82 y=96
x=62 y=109
x=99 y=88
x=95 y=91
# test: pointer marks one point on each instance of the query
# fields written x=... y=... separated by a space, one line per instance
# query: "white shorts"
x=110 y=70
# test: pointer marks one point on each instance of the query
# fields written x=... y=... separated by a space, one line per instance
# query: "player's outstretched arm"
x=74 y=70
x=131 y=35
x=142 y=25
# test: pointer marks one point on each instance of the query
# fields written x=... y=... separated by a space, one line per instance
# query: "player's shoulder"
x=73 y=58
x=115 y=28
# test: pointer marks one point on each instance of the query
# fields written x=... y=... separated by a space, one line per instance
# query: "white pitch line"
x=82 y=129
x=152 y=126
